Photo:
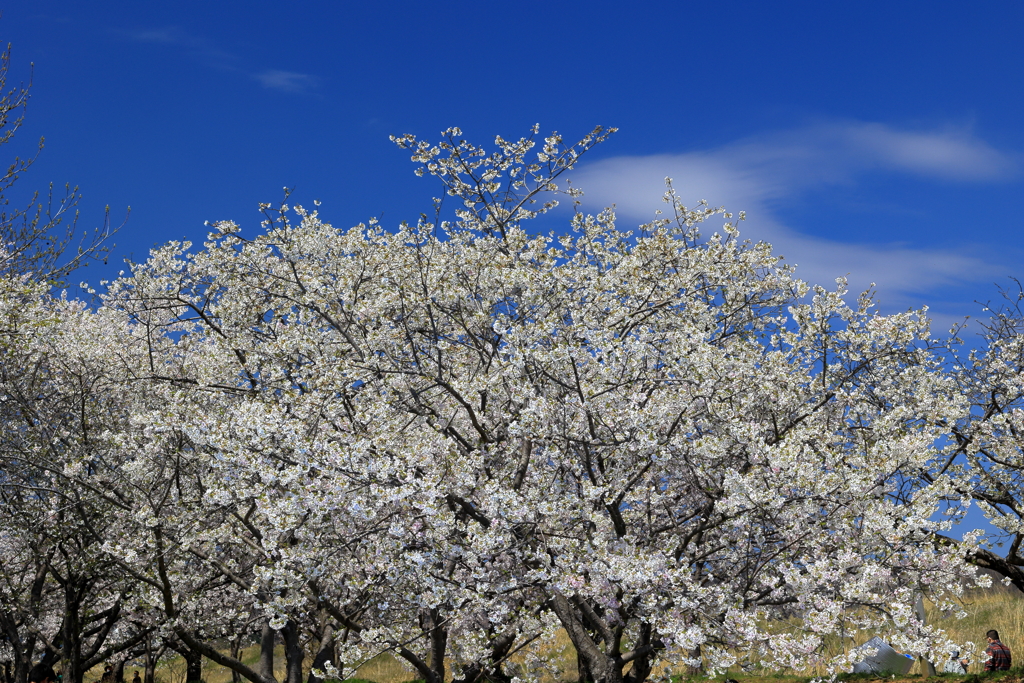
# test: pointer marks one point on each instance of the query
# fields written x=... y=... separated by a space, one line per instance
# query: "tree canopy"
x=449 y=439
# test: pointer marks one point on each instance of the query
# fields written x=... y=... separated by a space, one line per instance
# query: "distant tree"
x=57 y=597
x=39 y=240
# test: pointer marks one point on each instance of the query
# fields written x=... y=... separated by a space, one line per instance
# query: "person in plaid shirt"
x=999 y=654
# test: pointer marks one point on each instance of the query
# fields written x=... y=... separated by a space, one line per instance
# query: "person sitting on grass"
x=998 y=654
x=955 y=665
x=41 y=673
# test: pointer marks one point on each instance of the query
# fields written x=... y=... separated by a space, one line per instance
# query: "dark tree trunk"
x=582 y=672
x=267 y=636
x=193 y=661
x=151 y=657
x=50 y=658
x=644 y=652
x=593 y=664
x=23 y=650
x=193 y=666
x=432 y=670
x=600 y=659
x=119 y=671
x=293 y=653
x=71 y=664
x=23 y=662
x=236 y=651
x=433 y=624
x=15 y=671
x=324 y=655
x=490 y=670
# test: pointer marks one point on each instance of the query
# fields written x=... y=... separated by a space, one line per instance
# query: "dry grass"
x=998 y=608
x=385 y=669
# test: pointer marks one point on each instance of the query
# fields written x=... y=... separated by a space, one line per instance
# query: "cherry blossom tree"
x=457 y=436
x=448 y=440
x=55 y=492
x=57 y=597
x=25 y=598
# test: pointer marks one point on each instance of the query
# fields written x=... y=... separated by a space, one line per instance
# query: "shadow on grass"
x=1014 y=675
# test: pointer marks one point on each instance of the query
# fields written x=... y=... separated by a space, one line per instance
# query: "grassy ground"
x=1001 y=609
x=998 y=608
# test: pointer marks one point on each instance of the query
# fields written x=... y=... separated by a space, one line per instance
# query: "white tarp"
x=885 y=659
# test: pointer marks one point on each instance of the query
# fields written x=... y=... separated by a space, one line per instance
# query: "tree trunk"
x=119 y=671
x=582 y=672
x=598 y=666
x=433 y=623
x=691 y=669
x=236 y=651
x=193 y=666
x=490 y=669
x=151 y=657
x=267 y=636
x=193 y=661
x=293 y=653
x=432 y=670
x=324 y=655
x=23 y=661
x=17 y=671
x=71 y=665
x=927 y=668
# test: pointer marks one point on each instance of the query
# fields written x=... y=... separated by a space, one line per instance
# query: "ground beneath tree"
x=1015 y=675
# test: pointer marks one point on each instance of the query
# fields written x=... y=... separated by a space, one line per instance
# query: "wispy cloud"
x=287 y=81
x=166 y=36
x=216 y=56
x=756 y=174
x=952 y=154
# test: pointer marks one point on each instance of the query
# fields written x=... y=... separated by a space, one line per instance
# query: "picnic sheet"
x=885 y=659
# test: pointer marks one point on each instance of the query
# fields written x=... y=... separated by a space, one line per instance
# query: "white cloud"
x=846 y=148
x=196 y=47
x=169 y=35
x=286 y=81
x=214 y=55
x=755 y=174
x=953 y=155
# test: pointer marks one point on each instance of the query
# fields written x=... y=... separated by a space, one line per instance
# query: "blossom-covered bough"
x=985 y=453
x=449 y=440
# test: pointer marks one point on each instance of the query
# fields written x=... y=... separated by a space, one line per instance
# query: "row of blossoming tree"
x=448 y=440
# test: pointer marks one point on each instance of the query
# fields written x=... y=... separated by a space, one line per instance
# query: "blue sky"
x=884 y=140
x=878 y=139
